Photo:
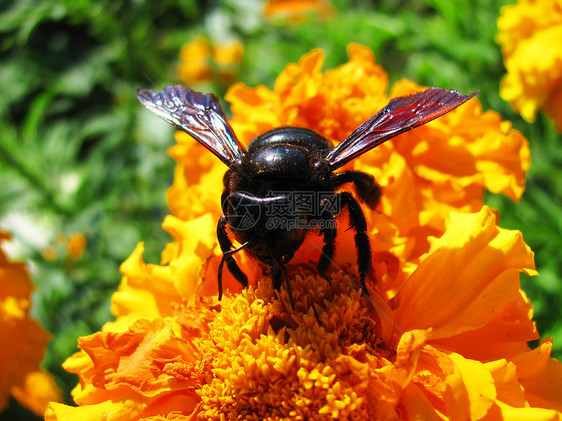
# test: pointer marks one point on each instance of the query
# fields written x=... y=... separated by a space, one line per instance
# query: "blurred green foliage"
x=77 y=153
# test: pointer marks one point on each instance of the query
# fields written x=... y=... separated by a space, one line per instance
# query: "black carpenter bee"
x=283 y=184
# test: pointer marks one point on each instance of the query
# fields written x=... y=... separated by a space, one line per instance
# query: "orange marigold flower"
x=529 y=33
x=203 y=61
x=432 y=352
x=443 y=336
x=22 y=341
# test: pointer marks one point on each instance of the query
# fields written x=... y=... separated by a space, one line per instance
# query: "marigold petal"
x=504 y=336
x=195 y=243
x=149 y=290
x=245 y=101
x=506 y=382
x=527 y=414
x=417 y=406
x=470 y=391
x=541 y=377
x=300 y=76
x=145 y=289
x=149 y=367
x=197 y=182
x=108 y=410
x=481 y=260
x=407 y=354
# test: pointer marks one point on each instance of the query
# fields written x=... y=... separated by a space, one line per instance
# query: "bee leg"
x=226 y=247
x=288 y=286
x=328 y=250
x=368 y=191
x=278 y=271
x=362 y=244
x=276 y=277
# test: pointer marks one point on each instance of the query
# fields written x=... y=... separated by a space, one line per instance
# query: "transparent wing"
x=198 y=114
x=400 y=115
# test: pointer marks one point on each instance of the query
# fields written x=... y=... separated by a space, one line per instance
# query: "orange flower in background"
x=76 y=245
x=204 y=61
x=295 y=11
x=37 y=391
x=22 y=341
x=529 y=33
x=72 y=246
x=194 y=57
x=442 y=335
x=227 y=57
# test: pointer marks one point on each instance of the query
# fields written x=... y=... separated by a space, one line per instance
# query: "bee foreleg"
x=226 y=247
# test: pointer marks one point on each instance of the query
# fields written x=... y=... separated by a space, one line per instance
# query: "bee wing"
x=400 y=115
x=197 y=114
